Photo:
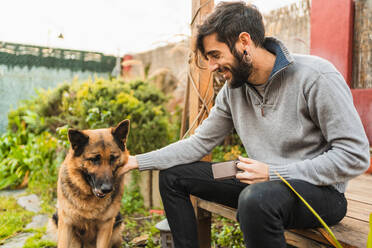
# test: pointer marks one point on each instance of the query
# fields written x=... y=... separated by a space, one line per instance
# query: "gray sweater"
x=305 y=126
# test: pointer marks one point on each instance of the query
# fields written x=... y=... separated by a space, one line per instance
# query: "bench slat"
x=303 y=242
x=352 y=231
x=358 y=210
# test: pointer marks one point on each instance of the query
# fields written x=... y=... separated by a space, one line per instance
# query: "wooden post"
x=200 y=83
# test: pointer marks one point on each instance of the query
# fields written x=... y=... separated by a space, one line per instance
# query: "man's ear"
x=120 y=133
x=78 y=141
x=244 y=39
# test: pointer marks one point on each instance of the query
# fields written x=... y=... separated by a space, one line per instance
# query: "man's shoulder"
x=308 y=69
x=313 y=64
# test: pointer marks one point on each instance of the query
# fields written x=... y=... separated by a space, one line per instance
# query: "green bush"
x=98 y=104
x=226 y=233
x=36 y=141
x=26 y=157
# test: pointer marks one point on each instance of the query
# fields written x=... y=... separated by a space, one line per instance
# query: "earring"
x=247 y=57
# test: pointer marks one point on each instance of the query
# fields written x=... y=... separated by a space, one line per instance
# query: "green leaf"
x=369 y=241
x=336 y=243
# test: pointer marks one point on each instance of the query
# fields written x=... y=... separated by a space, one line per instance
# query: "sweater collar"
x=283 y=57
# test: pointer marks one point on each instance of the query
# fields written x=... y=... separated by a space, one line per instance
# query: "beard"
x=240 y=70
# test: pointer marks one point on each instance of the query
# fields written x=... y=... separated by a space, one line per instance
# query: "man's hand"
x=253 y=171
x=131 y=164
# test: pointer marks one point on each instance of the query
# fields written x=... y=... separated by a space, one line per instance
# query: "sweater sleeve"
x=331 y=108
x=208 y=135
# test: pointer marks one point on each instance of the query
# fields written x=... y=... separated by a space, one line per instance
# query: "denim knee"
x=254 y=200
x=165 y=179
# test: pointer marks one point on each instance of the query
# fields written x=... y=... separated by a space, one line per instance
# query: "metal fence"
x=25 y=68
x=12 y=54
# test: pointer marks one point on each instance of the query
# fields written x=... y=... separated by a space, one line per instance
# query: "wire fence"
x=25 y=68
x=12 y=54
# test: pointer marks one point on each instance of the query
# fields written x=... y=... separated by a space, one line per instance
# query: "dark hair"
x=228 y=20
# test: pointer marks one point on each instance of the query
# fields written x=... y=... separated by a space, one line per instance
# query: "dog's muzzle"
x=102 y=191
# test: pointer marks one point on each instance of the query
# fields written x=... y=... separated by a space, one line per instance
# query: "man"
x=294 y=115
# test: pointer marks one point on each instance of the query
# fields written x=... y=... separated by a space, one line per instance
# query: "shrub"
x=26 y=157
x=226 y=233
x=30 y=147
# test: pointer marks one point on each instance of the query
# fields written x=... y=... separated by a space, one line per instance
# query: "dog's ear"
x=120 y=133
x=78 y=141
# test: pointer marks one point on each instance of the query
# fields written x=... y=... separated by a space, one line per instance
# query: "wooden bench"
x=352 y=231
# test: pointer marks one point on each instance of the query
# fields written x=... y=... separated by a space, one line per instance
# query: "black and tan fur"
x=90 y=189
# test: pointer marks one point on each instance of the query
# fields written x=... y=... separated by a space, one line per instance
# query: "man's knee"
x=258 y=199
x=169 y=177
x=166 y=178
x=251 y=197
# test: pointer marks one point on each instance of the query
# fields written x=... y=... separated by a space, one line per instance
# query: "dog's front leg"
x=105 y=233
x=64 y=234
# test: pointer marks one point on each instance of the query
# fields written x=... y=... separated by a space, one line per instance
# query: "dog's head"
x=98 y=153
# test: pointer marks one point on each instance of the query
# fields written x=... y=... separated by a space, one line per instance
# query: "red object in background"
x=370 y=167
x=363 y=104
x=156 y=211
x=332 y=33
x=331 y=38
x=126 y=68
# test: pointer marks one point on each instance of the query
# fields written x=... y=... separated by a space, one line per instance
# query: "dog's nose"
x=106 y=188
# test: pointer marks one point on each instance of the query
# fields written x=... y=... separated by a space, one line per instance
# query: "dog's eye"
x=113 y=158
x=95 y=159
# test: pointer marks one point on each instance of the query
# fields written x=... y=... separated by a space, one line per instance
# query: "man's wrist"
x=132 y=162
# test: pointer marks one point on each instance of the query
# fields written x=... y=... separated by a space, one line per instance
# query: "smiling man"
x=294 y=115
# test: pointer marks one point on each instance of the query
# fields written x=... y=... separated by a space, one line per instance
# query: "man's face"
x=231 y=66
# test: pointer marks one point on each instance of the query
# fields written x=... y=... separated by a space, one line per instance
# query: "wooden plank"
x=359 y=189
x=216 y=208
x=315 y=235
x=352 y=231
x=358 y=210
x=355 y=196
x=300 y=241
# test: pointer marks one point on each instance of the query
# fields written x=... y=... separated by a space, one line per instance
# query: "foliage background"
x=36 y=142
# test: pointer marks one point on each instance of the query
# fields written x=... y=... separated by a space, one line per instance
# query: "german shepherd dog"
x=90 y=189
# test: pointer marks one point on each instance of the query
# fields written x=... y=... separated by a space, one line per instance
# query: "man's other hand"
x=252 y=171
x=131 y=164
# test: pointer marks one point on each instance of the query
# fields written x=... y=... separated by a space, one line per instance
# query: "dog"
x=90 y=189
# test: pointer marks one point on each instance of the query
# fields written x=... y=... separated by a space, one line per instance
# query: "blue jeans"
x=264 y=210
